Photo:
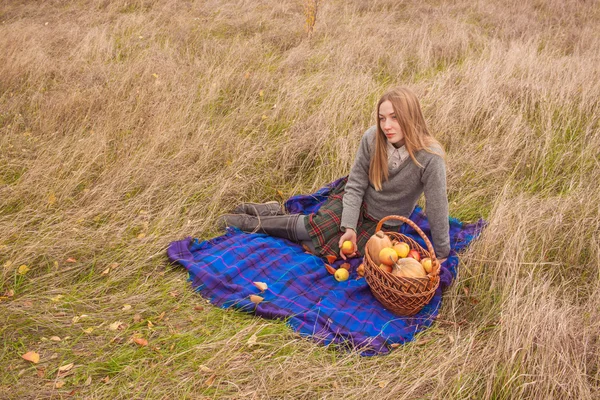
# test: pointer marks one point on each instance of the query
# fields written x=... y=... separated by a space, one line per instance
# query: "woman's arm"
x=436 y=204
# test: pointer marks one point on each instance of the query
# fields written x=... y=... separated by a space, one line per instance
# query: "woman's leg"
x=259 y=209
x=283 y=226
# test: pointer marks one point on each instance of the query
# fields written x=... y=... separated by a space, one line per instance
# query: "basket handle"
x=415 y=227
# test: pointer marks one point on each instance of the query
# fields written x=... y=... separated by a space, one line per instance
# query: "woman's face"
x=389 y=123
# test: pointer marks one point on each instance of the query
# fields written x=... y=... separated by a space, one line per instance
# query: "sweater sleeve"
x=358 y=181
x=436 y=204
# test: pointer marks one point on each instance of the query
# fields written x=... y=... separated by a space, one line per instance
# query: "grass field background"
x=125 y=125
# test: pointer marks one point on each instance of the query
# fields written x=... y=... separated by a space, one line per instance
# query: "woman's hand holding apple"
x=350 y=236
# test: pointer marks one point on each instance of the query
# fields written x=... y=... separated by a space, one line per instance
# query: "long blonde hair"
x=416 y=136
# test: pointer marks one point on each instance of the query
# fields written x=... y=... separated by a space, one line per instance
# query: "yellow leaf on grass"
x=55 y=339
x=23 y=269
x=382 y=384
x=88 y=381
x=210 y=380
x=261 y=93
x=66 y=367
x=141 y=341
x=32 y=356
x=57 y=298
x=115 y=325
x=59 y=384
x=126 y=307
x=88 y=330
x=106 y=271
x=204 y=368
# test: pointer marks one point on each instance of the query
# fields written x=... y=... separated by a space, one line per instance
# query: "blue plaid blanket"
x=300 y=290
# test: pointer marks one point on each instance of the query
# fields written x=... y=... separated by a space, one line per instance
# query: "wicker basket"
x=403 y=296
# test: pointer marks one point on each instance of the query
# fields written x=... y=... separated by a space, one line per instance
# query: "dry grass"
x=125 y=125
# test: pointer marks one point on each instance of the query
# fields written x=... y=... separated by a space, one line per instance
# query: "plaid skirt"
x=324 y=225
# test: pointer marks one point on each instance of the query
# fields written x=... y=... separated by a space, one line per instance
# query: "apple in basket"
x=426 y=263
x=386 y=268
x=414 y=254
x=402 y=249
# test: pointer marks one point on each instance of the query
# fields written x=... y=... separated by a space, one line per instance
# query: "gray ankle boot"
x=259 y=209
x=283 y=226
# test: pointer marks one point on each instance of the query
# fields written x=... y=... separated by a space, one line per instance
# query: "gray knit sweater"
x=400 y=192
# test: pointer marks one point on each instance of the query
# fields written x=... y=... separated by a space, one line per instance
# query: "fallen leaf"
x=32 y=356
x=394 y=345
x=23 y=269
x=261 y=286
x=59 y=384
x=330 y=259
x=88 y=330
x=70 y=260
x=106 y=271
x=66 y=367
x=55 y=339
x=141 y=235
x=115 y=325
x=204 y=368
x=155 y=76
x=264 y=116
x=330 y=269
x=141 y=341
x=106 y=379
x=261 y=93
x=256 y=299
x=126 y=307
x=210 y=380
x=57 y=298
x=382 y=384
x=361 y=270
x=252 y=340
x=88 y=381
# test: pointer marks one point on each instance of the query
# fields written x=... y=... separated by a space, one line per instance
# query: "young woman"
x=397 y=161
